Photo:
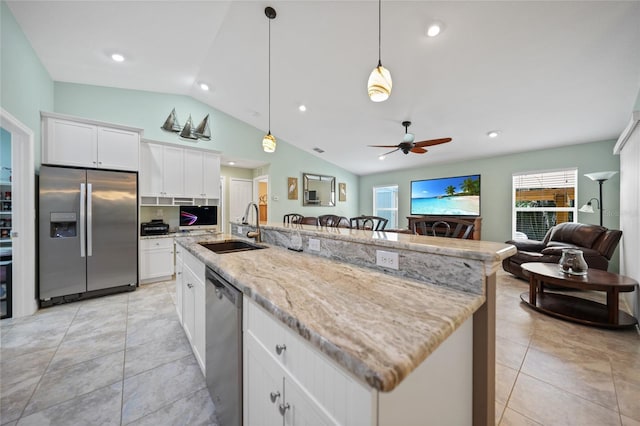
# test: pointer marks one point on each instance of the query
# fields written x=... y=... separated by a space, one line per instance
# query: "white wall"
x=628 y=147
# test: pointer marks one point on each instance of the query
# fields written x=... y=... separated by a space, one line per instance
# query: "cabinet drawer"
x=156 y=244
x=193 y=263
x=331 y=386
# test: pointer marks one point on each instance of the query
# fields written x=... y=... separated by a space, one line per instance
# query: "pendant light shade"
x=269 y=141
x=379 y=84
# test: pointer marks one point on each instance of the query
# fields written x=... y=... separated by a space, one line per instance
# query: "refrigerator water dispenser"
x=63 y=225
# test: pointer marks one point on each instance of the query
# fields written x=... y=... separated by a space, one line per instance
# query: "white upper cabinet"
x=161 y=170
x=85 y=143
x=169 y=172
x=201 y=174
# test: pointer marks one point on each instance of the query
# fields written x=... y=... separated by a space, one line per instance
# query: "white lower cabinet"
x=193 y=304
x=156 y=259
x=179 y=274
x=312 y=389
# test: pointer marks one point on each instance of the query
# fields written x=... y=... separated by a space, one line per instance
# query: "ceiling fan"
x=408 y=145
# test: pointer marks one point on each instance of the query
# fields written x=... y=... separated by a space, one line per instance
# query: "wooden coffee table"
x=574 y=308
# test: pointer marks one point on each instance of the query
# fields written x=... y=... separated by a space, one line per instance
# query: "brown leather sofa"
x=596 y=242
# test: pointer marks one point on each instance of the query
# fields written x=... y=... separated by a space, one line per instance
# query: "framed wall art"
x=292 y=188
x=342 y=191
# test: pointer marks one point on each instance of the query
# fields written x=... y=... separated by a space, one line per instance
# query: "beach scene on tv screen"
x=459 y=196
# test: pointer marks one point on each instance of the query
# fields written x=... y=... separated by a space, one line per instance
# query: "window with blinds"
x=542 y=200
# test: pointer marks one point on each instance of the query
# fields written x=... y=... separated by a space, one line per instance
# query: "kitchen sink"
x=230 y=246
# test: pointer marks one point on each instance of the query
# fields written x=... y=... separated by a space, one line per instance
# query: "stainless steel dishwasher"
x=224 y=348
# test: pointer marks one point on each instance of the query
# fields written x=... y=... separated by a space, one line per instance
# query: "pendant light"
x=379 y=85
x=269 y=141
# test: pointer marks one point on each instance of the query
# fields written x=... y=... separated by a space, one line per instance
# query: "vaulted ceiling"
x=543 y=74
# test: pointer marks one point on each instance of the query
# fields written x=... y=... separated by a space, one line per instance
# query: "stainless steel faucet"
x=245 y=221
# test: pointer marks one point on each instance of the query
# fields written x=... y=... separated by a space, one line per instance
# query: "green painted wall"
x=5 y=155
x=496 y=172
x=25 y=85
x=148 y=110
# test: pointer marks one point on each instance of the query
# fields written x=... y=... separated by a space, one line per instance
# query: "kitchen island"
x=379 y=326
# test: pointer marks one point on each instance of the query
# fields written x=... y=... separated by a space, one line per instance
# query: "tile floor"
x=116 y=360
x=553 y=372
x=127 y=358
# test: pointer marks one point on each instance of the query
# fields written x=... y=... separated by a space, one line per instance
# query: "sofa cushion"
x=577 y=233
x=557 y=250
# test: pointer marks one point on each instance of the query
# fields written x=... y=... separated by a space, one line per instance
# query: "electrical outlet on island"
x=387 y=259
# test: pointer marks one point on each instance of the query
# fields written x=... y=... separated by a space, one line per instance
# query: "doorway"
x=261 y=188
x=20 y=238
x=240 y=195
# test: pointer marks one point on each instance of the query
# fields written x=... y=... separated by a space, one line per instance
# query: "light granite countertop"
x=378 y=326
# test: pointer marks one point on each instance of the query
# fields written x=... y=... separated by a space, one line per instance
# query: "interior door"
x=240 y=195
x=112 y=230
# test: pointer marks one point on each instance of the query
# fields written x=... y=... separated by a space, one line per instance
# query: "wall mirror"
x=318 y=190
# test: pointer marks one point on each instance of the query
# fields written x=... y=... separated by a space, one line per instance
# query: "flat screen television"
x=198 y=217
x=451 y=196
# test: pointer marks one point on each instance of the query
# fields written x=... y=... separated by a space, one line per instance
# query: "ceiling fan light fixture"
x=269 y=143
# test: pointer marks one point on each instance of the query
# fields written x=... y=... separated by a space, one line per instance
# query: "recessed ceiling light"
x=382 y=157
x=302 y=108
x=493 y=133
x=204 y=86
x=231 y=163
x=117 y=57
x=434 y=28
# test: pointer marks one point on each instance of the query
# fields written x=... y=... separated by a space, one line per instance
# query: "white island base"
x=302 y=386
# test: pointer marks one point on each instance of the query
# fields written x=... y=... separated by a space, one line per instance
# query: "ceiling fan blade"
x=390 y=152
x=432 y=142
x=418 y=150
x=384 y=146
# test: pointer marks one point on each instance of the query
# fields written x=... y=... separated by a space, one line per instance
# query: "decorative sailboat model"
x=202 y=131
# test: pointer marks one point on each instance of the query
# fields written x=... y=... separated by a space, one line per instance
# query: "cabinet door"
x=211 y=175
x=151 y=169
x=173 y=171
x=301 y=409
x=69 y=143
x=118 y=149
x=262 y=379
x=193 y=173
x=156 y=258
x=188 y=303
x=179 y=281
x=199 y=326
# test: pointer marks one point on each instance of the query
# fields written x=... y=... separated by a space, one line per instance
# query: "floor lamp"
x=600 y=177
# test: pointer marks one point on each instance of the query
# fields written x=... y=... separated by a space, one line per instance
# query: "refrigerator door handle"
x=89 y=221
x=83 y=195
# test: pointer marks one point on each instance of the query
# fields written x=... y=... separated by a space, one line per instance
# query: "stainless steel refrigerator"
x=87 y=232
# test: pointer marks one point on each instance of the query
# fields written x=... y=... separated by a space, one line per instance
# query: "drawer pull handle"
x=284 y=407
x=280 y=348
x=274 y=395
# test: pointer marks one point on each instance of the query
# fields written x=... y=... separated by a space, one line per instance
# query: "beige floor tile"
x=628 y=391
x=513 y=418
x=585 y=373
x=510 y=353
x=626 y=421
x=499 y=410
x=549 y=405
x=505 y=379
